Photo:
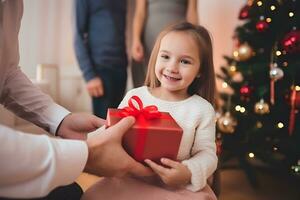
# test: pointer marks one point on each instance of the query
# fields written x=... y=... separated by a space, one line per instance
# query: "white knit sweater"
x=196 y=117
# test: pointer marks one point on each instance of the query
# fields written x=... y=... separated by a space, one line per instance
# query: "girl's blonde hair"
x=205 y=85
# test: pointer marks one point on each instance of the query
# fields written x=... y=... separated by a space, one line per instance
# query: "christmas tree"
x=260 y=117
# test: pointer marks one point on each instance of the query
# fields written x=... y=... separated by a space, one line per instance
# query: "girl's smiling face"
x=177 y=63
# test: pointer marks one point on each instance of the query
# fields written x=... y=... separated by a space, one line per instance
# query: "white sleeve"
x=33 y=165
x=204 y=160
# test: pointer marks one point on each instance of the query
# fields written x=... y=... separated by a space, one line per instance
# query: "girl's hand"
x=137 y=51
x=177 y=175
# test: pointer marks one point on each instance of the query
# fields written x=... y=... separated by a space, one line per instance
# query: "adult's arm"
x=27 y=101
x=80 y=39
x=33 y=165
x=192 y=12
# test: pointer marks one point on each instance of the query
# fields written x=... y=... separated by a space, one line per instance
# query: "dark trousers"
x=69 y=192
x=114 y=82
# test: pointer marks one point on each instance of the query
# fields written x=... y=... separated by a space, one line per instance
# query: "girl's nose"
x=172 y=67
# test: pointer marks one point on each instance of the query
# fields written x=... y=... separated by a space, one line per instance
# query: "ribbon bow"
x=148 y=112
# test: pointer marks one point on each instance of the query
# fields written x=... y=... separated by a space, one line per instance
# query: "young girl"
x=181 y=81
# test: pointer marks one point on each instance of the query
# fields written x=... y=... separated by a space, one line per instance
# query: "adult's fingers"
x=120 y=128
x=96 y=122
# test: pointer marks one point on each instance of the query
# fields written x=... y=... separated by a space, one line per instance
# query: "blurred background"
x=242 y=31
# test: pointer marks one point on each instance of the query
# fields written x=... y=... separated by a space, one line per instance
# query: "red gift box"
x=153 y=136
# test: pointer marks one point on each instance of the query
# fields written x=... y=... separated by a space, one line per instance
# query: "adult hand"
x=95 y=87
x=76 y=125
x=137 y=51
x=107 y=156
x=175 y=176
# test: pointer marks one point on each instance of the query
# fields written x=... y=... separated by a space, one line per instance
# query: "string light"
x=273 y=7
x=291 y=14
x=268 y=20
x=285 y=64
x=251 y=155
x=259 y=124
x=238 y=108
x=242 y=110
x=278 y=53
x=232 y=68
x=235 y=54
x=259 y=3
x=280 y=125
x=224 y=85
x=275 y=148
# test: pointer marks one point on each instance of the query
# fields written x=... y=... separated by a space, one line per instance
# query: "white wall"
x=46 y=34
x=221 y=18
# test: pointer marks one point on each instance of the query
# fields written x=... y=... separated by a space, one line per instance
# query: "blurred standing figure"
x=150 y=18
x=100 y=50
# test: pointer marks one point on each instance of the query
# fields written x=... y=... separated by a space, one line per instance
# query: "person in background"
x=99 y=42
x=181 y=81
x=32 y=166
x=150 y=18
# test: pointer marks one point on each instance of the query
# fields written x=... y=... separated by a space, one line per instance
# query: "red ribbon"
x=142 y=114
x=148 y=112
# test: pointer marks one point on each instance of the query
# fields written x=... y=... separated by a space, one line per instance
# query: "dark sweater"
x=100 y=36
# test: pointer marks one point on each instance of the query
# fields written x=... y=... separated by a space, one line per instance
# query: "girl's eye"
x=164 y=56
x=186 y=62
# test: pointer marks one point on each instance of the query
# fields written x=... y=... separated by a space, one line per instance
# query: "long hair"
x=205 y=85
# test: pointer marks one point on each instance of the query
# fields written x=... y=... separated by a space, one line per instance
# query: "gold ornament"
x=243 y=53
x=226 y=123
x=261 y=107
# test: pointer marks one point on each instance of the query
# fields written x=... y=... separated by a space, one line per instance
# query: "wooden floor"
x=235 y=186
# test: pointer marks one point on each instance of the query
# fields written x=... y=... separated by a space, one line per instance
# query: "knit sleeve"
x=204 y=160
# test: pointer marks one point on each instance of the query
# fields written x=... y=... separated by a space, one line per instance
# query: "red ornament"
x=245 y=92
x=244 y=13
x=294 y=102
x=262 y=26
x=296 y=99
x=291 y=42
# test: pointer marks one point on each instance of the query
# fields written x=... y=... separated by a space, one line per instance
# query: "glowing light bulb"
x=238 y=108
x=224 y=85
x=278 y=53
x=251 y=155
x=242 y=110
x=259 y=3
x=272 y=7
x=280 y=125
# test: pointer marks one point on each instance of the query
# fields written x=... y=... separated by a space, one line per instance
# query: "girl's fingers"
x=169 y=162
x=156 y=168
